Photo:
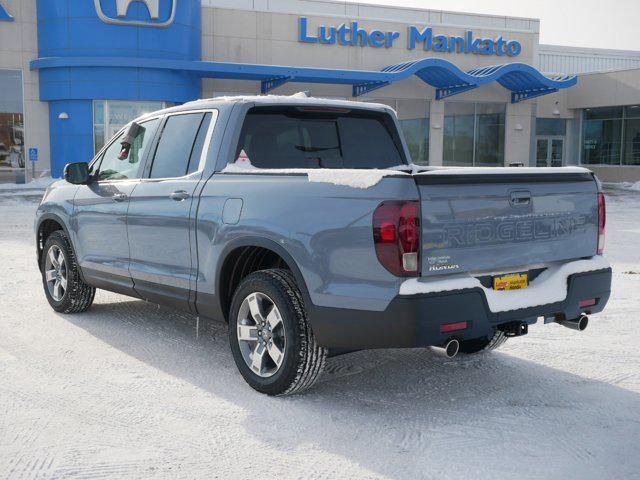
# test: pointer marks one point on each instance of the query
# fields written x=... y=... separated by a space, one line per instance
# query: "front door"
x=100 y=212
x=549 y=151
x=162 y=208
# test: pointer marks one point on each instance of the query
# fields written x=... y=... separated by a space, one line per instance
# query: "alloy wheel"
x=261 y=334
x=55 y=270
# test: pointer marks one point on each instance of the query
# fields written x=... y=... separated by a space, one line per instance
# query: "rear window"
x=301 y=137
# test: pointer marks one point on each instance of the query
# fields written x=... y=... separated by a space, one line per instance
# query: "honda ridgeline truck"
x=304 y=224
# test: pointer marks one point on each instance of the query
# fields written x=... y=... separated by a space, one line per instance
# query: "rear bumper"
x=415 y=320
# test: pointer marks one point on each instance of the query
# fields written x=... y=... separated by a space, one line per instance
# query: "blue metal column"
x=93 y=29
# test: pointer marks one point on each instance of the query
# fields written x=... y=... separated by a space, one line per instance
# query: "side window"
x=112 y=168
x=180 y=146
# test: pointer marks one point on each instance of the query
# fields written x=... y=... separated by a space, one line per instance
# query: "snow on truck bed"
x=349 y=177
x=366 y=178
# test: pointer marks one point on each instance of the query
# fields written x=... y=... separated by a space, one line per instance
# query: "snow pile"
x=625 y=186
x=349 y=177
x=39 y=185
x=549 y=287
x=356 y=178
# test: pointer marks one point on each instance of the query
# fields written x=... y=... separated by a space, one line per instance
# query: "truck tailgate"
x=503 y=219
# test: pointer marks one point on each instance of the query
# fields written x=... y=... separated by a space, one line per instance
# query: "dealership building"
x=469 y=89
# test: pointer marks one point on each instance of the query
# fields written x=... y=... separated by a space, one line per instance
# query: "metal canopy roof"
x=523 y=80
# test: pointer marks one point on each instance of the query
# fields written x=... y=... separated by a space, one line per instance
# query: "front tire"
x=484 y=344
x=270 y=337
x=64 y=288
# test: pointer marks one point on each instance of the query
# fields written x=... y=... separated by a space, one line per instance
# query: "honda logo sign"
x=122 y=8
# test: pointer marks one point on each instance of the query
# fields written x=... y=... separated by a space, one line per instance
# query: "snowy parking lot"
x=127 y=390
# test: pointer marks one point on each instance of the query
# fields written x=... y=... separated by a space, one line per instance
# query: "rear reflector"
x=588 y=303
x=602 y=222
x=452 y=327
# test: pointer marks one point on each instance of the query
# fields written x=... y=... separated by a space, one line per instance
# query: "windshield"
x=316 y=137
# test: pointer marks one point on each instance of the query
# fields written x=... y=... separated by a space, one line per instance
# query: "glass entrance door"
x=12 y=161
x=549 y=151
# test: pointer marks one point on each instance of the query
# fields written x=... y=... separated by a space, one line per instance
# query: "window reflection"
x=602 y=135
x=12 y=160
x=109 y=116
x=474 y=134
x=611 y=136
x=414 y=121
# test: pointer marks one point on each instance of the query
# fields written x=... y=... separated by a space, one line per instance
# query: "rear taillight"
x=396 y=235
x=602 y=222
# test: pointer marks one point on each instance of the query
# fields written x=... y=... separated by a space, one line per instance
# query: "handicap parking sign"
x=33 y=154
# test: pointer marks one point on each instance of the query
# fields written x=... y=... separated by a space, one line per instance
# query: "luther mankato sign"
x=351 y=35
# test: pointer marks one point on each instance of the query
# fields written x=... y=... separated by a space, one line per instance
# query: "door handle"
x=179 y=195
x=119 y=197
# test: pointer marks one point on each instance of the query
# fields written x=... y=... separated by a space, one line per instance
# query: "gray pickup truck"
x=303 y=223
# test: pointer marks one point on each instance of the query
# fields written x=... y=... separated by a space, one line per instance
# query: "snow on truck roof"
x=300 y=98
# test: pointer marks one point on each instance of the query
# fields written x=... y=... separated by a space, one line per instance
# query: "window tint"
x=176 y=146
x=112 y=168
x=277 y=137
x=551 y=126
x=194 y=160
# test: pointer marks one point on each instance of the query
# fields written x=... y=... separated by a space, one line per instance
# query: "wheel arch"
x=46 y=225
x=231 y=258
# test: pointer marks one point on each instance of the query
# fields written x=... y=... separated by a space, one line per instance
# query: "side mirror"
x=77 y=173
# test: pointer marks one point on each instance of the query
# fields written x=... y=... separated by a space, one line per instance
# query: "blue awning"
x=524 y=81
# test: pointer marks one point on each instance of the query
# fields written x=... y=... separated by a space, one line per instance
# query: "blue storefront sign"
x=4 y=15
x=119 y=32
x=353 y=35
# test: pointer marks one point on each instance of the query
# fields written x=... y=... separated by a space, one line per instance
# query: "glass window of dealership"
x=473 y=129
x=12 y=161
x=611 y=136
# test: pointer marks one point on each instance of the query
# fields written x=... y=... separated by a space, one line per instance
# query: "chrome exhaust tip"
x=580 y=324
x=449 y=349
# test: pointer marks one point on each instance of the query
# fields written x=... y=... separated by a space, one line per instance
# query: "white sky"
x=578 y=23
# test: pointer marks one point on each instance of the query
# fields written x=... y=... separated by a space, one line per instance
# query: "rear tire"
x=63 y=286
x=484 y=344
x=270 y=337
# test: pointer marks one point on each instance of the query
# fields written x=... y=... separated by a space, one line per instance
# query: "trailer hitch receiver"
x=514 y=329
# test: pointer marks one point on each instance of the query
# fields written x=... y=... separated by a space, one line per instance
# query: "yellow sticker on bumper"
x=513 y=281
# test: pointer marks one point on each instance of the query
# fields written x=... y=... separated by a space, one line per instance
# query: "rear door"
x=161 y=209
x=101 y=208
x=500 y=220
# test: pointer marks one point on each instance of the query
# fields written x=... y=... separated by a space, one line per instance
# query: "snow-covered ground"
x=126 y=390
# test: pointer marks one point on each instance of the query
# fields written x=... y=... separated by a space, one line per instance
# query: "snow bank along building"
x=469 y=89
